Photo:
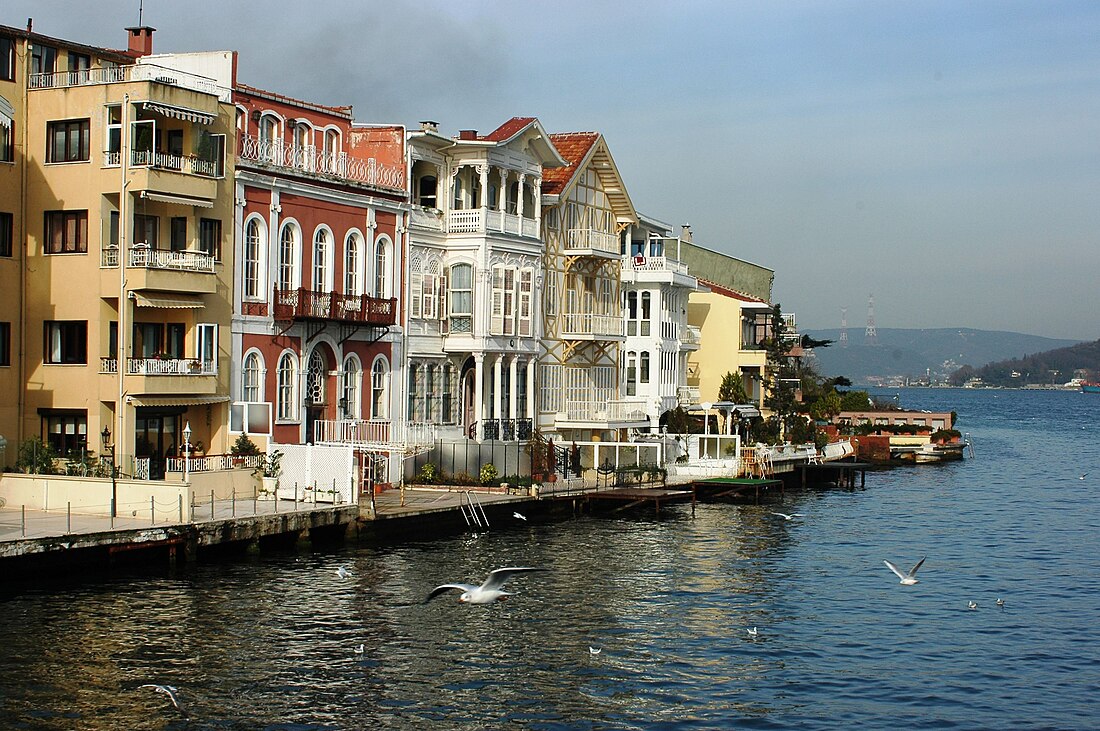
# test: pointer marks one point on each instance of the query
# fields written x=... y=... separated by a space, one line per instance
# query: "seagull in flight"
x=342 y=572
x=168 y=690
x=488 y=592
x=752 y=632
x=909 y=578
x=784 y=516
x=519 y=516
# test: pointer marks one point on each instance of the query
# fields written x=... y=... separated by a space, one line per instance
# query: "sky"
x=943 y=157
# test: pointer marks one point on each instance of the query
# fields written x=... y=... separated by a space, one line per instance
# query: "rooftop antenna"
x=870 y=336
x=140 y=11
x=844 y=327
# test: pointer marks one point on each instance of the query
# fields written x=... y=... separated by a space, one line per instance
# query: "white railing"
x=213 y=462
x=480 y=220
x=687 y=394
x=119 y=74
x=605 y=411
x=430 y=218
x=691 y=335
x=465 y=221
x=654 y=264
x=374 y=431
x=164 y=161
x=310 y=159
x=590 y=324
x=108 y=258
x=161 y=366
x=586 y=238
x=188 y=261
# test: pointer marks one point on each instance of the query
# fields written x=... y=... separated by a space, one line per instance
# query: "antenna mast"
x=870 y=336
x=844 y=327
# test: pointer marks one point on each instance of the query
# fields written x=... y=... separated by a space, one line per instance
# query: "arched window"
x=251 y=375
x=352 y=385
x=252 y=271
x=332 y=150
x=289 y=257
x=286 y=381
x=269 y=128
x=353 y=264
x=322 y=266
x=382 y=268
x=379 y=389
x=303 y=134
x=460 y=299
x=315 y=378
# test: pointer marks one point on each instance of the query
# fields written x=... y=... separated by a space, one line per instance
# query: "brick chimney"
x=467 y=134
x=141 y=40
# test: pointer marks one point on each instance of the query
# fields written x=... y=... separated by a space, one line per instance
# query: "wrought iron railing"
x=161 y=366
x=317 y=161
x=291 y=304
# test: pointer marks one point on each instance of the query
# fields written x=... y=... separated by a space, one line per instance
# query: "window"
x=146 y=230
x=426 y=191
x=288 y=257
x=179 y=233
x=381 y=268
x=285 y=381
x=79 y=64
x=379 y=380
x=7 y=59
x=352 y=380
x=210 y=237
x=7 y=229
x=43 y=60
x=7 y=143
x=353 y=258
x=448 y=416
x=503 y=316
x=114 y=135
x=209 y=154
x=523 y=303
x=66 y=341
x=322 y=269
x=5 y=343
x=461 y=299
x=253 y=243
x=67 y=432
x=643 y=367
x=68 y=141
x=206 y=344
x=631 y=374
x=250 y=378
x=112 y=230
x=66 y=232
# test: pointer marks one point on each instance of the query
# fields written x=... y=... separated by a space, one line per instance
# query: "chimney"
x=467 y=134
x=685 y=233
x=429 y=126
x=141 y=40
x=30 y=24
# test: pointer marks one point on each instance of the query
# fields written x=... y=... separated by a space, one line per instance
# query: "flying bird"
x=784 y=516
x=168 y=690
x=519 y=516
x=908 y=578
x=488 y=592
x=342 y=572
x=752 y=632
x=972 y=604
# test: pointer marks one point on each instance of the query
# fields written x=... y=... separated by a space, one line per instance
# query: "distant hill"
x=1052 y=366
x=917 y=354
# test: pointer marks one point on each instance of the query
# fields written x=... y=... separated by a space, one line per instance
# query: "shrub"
x=270 y=465
x=244 y=447
x=427 y=474
x=36 y=457
x=489 y=474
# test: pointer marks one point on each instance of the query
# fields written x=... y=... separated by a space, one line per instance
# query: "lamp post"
x=109 y=447
x=186 y=451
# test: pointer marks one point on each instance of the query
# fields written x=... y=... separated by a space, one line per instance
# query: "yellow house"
x=121 y=207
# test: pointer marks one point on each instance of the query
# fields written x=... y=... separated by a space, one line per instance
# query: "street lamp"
x=186 y=450
x=109 y=447
x=706 y=417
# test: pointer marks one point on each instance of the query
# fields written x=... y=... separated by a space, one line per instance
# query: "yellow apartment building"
x=122 y=206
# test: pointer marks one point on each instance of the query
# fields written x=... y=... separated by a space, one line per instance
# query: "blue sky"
x=943 y=156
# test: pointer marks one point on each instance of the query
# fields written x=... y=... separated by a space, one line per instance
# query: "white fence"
x=318 y=473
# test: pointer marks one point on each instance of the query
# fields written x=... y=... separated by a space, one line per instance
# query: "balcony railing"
x=214 y=462
x=480 y=220
x=120 y=74
x=691 y=335
x=308 y=304
x=654 y=264
x=189 y=164
x=606 y=411
x=586 y=238
x=161 y=366
x=155 y=258
x=687 y=395
x=588 y=324
x=317 y=161
x=507 y=429
x=374 y=431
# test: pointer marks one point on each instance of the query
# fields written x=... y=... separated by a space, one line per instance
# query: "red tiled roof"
x=574 y=147
x=727 y=292
x=507 y=130
x=274 y=96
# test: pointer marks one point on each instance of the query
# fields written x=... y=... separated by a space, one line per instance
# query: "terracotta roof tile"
x=727 y=292
x=573 y=146
x=507 y=130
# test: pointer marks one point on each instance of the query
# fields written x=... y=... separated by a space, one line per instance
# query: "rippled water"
x=269 y=641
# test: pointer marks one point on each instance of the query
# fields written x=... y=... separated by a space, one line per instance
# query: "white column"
x=531 y=396
x=483 y=171
x=498 y=363
x=502 y=192
x=538 y=206
x=479 y=395
x=513 y=367
x=519 y=195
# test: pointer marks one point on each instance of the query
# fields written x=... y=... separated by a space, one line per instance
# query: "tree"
x=36 y=457
x=781 y=375
x=733 y=389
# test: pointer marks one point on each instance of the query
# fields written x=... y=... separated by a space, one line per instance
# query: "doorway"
x=156 y=437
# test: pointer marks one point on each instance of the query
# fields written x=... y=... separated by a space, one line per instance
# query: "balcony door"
x=156 y=437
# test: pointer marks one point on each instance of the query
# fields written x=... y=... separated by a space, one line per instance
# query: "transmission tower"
x=844 y=327
x=870 y=336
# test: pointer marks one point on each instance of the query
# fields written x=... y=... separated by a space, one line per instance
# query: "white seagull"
x=752 y=632
x=342 y=573
x=488 y=592
x=784 y=516
x=1000 y=602
x=594 y=650
x=360 y=650
x=519 y=516
x=168 y=690
x=972 y=604
x=909 y=578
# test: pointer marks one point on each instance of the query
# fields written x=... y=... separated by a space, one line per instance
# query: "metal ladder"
x=472 y=510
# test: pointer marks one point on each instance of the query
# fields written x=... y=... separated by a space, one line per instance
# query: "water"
x=269 y=642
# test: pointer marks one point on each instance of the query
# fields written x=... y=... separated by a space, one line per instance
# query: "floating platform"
x=629 y=497
x=717 y=487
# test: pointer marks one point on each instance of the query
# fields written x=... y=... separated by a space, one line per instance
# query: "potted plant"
x=243 y=448
x=268 y=470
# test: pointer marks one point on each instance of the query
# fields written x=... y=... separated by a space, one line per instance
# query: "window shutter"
x=429 y=311
x=444 y=307
x=496 y=321
x=416 y=287
x=525 y=287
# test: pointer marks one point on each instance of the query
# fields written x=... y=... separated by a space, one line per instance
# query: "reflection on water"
x=269 y=642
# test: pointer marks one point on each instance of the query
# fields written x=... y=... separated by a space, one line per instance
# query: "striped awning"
x=7 y=113
x=174 y=112
x=166 y=301
x=178 y=199
x=176 y=400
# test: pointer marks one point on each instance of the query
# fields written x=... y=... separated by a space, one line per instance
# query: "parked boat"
x=1090 y=387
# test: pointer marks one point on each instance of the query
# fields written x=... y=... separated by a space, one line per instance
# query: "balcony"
x=687 y=395
x=641 y=263
x=587 y=326
x=484 y=220
x=376 y=433
x=690 y=338
x=589 y=242
x=169 y=376
x=307 y=304
x=171 y=271
x=603 y=414
x=311 y=160
x=123 y=74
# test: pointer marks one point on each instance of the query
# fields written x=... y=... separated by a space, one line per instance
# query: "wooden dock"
x=630 y=497
x=842 y=473
x=718 y=487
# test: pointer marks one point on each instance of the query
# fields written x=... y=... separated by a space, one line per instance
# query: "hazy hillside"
x=918 y=353
x=1052 y=366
